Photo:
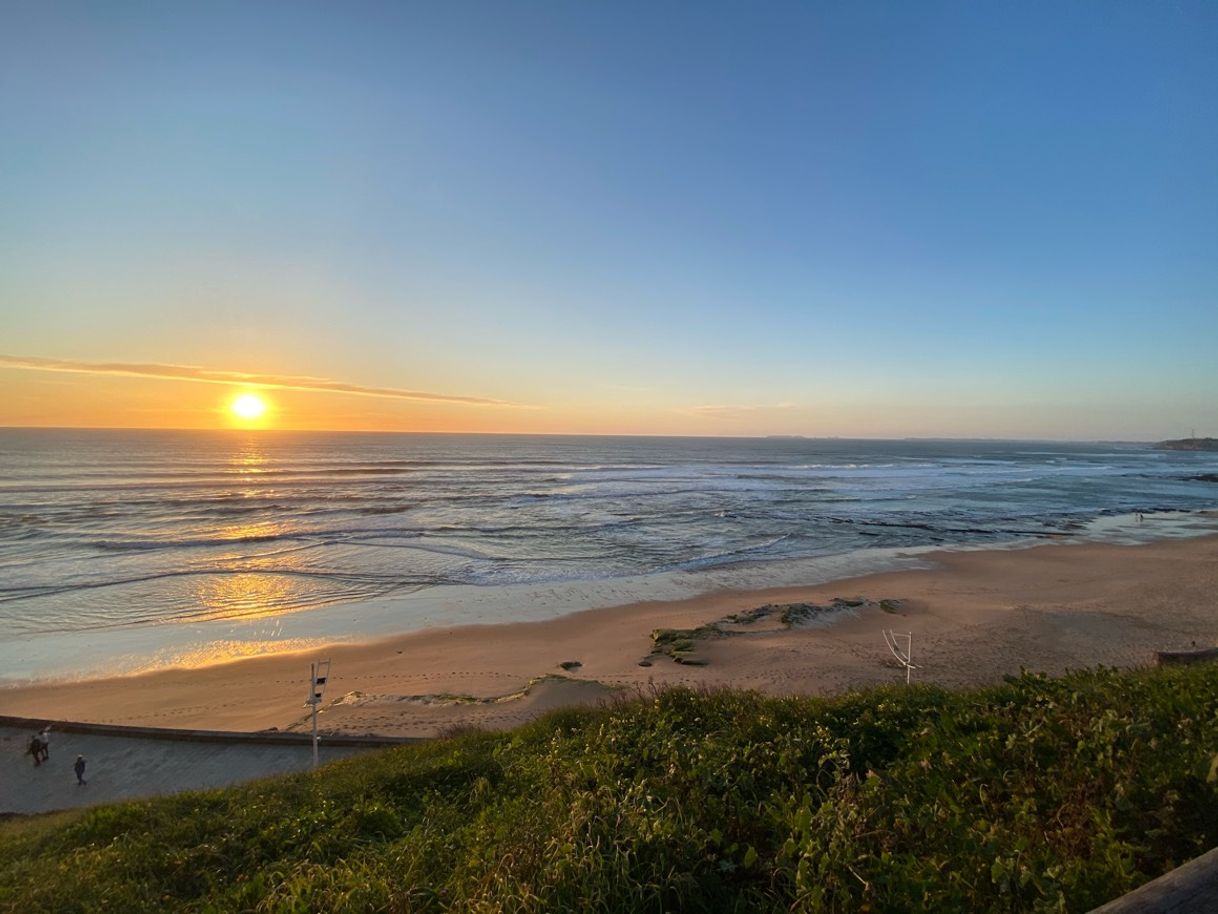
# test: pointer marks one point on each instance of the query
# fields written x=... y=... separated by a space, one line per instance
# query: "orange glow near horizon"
x=30 y=398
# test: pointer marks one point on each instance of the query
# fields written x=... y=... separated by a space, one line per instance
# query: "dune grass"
x=1036 y=795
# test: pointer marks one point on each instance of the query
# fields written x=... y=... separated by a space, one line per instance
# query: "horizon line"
x=769 y=437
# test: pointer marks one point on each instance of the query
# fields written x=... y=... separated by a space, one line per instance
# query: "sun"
x=248 y=407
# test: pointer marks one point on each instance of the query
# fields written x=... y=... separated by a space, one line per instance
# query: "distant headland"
x=1189 y=444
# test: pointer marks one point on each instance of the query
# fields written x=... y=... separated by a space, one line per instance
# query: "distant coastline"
x=1189 y=444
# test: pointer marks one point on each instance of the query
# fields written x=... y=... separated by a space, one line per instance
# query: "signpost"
x=319 y=672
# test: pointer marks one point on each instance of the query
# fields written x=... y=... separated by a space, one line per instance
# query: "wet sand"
x=974 y=616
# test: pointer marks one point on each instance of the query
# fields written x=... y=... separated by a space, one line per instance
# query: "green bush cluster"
x=1037 y=795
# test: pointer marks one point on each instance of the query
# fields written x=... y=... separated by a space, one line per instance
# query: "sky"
x=873 y=219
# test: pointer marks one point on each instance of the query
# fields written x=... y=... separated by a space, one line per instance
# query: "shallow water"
x=105 y=535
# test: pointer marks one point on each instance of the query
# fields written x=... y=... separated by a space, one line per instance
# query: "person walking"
x=35 y=749
x=45 y=737
x=79 y=768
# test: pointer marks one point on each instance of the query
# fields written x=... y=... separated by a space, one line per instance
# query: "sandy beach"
x=974 y=616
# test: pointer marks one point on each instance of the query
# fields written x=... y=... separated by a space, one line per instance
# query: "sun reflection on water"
x=248 y=462
x=252 y=530
x=251 y=585
x=210 y=653
x=246 y=596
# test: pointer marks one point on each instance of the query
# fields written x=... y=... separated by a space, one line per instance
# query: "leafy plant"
x=1039 y=794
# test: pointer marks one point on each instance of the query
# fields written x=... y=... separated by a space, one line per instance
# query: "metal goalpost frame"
x=904 y=657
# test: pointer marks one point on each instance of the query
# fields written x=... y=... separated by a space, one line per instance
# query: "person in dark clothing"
x=79 y=768
x=35 y=749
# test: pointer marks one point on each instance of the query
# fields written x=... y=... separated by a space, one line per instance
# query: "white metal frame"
x=904 y=657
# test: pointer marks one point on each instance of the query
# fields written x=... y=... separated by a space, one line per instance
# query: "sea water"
x=124 y=549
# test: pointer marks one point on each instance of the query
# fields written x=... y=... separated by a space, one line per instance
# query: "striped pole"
x=319 y=672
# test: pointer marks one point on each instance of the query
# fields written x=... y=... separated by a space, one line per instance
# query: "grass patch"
x=1039 y=794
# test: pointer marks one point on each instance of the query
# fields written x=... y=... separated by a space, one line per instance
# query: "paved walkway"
x=124 y=767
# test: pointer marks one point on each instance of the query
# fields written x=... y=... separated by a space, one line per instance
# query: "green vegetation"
x=749 y=616
x=1036 y=795
x=679 y=644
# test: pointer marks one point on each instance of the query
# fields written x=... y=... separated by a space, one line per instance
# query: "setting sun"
x=248 y=407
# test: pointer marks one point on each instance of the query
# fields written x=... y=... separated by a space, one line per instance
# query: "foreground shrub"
x=1038 y=795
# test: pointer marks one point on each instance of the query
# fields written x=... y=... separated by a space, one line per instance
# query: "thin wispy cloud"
x=726 y=411
x=198 y=374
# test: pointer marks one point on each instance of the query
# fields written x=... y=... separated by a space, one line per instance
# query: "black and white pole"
x=319 y=672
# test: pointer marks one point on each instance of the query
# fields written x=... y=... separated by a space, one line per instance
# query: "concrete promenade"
x=126 y=763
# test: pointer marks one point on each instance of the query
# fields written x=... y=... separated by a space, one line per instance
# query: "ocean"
x=129 y=550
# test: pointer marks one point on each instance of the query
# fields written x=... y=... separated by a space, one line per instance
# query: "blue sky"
x=853 y=218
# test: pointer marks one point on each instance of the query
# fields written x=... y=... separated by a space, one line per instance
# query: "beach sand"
x=975 y=616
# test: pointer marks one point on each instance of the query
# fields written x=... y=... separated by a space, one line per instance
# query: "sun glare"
x=248 y=407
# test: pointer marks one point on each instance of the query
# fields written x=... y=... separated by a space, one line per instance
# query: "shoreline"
x=975 y=616
x=90 y=654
